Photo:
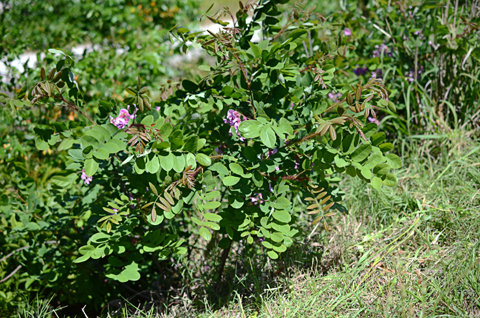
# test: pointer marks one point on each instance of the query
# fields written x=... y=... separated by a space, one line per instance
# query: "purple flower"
x=261 y=239
x=157 y=108
x=373 y=120
x=347 y=32
x=360 y=70
x=297 y=163
x=382 y=49
x=234 y=119
x=122 y=120
x=257 y=199
x=334 y=97
x=272 y=152
x=291 y=106
x=410 y=76
x=377 y=74
x=277 y=168
x=86 y=179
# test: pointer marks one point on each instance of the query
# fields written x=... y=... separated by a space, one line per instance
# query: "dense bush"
x=235 y=157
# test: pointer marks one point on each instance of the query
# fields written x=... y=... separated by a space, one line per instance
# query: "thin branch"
x=18 y=250
x=11 y=274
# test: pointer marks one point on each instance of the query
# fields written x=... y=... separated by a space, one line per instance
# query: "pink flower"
x=257 y=199
x=234 y=119
x=122 y=120
x=85 y=178
x=334 y=97
x=347 y=32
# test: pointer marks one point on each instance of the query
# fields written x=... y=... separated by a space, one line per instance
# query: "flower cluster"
x=234 y=119
x=377 y=74
x=335 y=97
x=410 y=76
x=122 y=120
x=86 y=179
x=382 y=49
x=360 y=70
x=258 y=199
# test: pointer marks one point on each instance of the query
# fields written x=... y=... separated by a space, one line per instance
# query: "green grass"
x=410 y=251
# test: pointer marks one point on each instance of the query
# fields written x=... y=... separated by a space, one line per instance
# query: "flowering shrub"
x=234 y=157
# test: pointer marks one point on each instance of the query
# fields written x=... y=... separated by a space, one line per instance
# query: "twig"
x=83 y=310
x=18 y=250
x=11 y=274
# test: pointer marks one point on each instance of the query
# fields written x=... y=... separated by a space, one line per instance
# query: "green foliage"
x=232 y=157
x=427 y=52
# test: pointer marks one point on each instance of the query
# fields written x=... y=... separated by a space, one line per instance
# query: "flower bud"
x=349 y=99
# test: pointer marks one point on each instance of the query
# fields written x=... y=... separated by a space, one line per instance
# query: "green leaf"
x=179 y=163
x=41 y=144
x=95 y=134
x=282 y=216
x=390 y=180
x=101 y=154
x=213 y=226
x=257 y=179
x=236 y=168
x=90 y=166
x=153 y=164
x=111 y=147
x=166 y=130
x=377 y=183
x=147 y=120
x=381 y=169
x=373 y=160
x=205 y=233
x=281 y=203
x=211 y=205
x=211 y=195
x=89 y=141
x=366 y=173
x=296 y=33
x=255 y=49
x=267 y=136
x=377 y=138
x=230 y=181
x=394 y=161
x=167 y=162
x=386 y=147
x=277 y=237
x=369 y=130
x=220 y=168
x=191 y=144
x=60 y=181
x=120 y=144
x=212 y=217
x=139 y=165
x=66 y=144
x=272 y=254
x=103 y=131
x=203 y=159
x=250 y=128
x=361 y=153
x=339 y=162
x=189 y=86
x=190 y=160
